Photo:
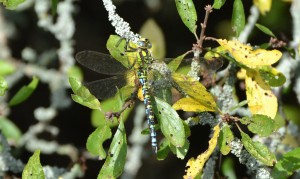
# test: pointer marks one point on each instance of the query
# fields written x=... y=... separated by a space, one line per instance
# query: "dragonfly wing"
x=107 y=87
x=214 y=64
x=100 y=62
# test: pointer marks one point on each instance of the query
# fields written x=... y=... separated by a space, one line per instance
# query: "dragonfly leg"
x=127 y=47
x=120 y=40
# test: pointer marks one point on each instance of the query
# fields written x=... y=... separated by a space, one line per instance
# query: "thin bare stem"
x=208 y=10
x=111 y=115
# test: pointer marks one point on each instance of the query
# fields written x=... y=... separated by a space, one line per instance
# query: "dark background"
x=92 y=32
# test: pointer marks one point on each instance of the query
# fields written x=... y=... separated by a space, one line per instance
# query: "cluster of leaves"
x=255 y=69
x=13 y=4
x=259 y=77
x=170 y=124
x=9 y=129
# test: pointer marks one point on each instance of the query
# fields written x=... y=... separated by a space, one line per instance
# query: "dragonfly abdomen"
x=142 y=74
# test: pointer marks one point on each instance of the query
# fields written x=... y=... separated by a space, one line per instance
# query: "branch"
x=122 y=27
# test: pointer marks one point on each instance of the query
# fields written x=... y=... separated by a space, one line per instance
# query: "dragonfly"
x=106 y=64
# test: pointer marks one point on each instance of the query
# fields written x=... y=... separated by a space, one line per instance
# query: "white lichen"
x=122 y=28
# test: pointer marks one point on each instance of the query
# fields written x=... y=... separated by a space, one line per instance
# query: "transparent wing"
x=214 y=64
x=205 y=65
x=100 y=63
x=107 y=87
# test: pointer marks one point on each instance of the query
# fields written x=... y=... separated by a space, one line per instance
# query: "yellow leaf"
x=245 y=55
x=264 y=6
x=261 y=98
x=241 y=74
x=195 y=90
x=189 y=104
x=210 y=55
x=195 y=166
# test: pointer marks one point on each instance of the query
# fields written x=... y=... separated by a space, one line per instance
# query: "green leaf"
x=216 y=52
x=75 y=84
x=6 y=68
x=265 y=30
x=11 y=4
x=33 y=168
x=98 y=118
x=75 y=72
x=115 y=161
x=287 y=165
x=245 y=120
x=24 y=92
x=174 y=64
x=279 y=121
x=238 y=17
x=82 y=95
x=292 y=114
x=9 y=129
x=95 y=141
x=264 y=45
x=164 y=149
x=291 y=51
x=225 y=137
x=187 y=129
x=228 y=169
x=117 y=46
x=187 y=13
x=261 y=125
x=170 y=123
x=271 y=76
x=180 y=152
x=184 y=70
x=218 y=4
x=113 y=104
x=3 y=86
x=54 y=6
x=258 y=150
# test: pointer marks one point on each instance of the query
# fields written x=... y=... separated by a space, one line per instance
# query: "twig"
x=197 y=48
x=110 y=115
x=208 y=10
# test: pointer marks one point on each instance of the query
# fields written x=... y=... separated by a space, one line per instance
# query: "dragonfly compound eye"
x=144 y=43
x=149 y=45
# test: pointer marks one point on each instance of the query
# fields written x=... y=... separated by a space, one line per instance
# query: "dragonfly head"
x=144 y=44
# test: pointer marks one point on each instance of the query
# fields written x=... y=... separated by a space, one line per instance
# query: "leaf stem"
x=238 y=127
